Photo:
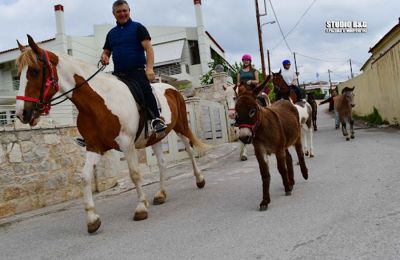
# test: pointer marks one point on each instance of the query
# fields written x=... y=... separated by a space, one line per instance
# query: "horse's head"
x=230 y=96
x=38 y=82
x=247 y=116
x=279 y=82
x=349 y=95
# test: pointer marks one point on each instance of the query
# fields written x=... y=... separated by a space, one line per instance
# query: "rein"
x=77 y=86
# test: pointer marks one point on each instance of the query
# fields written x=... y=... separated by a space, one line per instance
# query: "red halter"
x=42 y=106
x=253 y=127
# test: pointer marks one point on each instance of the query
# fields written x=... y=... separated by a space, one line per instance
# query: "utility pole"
x=330 y=82
x=351 y=69
x=269 y=63
x=295 y=66
x=260 y=37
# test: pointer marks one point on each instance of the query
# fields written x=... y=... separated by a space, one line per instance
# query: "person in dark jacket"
x=331 y=101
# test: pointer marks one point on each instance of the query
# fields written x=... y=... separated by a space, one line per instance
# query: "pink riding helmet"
x=246 y=57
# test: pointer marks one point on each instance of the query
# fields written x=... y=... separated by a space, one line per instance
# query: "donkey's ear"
x=280 y=70
x=33 y=45
x=353 y=88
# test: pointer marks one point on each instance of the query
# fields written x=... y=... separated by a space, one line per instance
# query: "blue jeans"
x=336 y=118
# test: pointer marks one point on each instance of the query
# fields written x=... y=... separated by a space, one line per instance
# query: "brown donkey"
x=344 y=104
x=271 y=130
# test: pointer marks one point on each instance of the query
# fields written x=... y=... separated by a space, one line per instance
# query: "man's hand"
x=150 y=74
x=105 y=60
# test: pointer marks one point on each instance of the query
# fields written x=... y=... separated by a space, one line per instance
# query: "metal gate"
x=207 y=120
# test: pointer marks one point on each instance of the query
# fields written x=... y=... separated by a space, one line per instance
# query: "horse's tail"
x=184 y=127
x=197 y=143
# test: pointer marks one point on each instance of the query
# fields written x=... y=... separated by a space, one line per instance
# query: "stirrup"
x=158 y=125
x=80 y=141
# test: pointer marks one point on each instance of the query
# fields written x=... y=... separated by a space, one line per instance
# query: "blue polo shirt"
x=124 y=42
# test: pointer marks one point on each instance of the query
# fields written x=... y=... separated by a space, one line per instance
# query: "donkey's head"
x=247 y=112
x=348 y=95
x=38 y=82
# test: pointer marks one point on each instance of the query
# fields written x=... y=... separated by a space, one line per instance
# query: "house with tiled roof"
x=385 y=44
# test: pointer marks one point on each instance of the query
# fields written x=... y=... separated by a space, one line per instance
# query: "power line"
x=320 y=59
x=297 y=23
x=280 y=28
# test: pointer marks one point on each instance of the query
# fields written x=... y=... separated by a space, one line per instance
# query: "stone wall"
x=41 y=167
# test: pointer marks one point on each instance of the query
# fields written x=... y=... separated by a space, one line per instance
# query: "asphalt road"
x=348 y=209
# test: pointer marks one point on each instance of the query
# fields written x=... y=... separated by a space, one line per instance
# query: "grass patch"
x=373 y=118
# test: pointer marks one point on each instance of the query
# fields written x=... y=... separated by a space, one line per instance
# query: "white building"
x=182 y=55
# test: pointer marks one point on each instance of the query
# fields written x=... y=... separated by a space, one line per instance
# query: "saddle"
x=144 y=111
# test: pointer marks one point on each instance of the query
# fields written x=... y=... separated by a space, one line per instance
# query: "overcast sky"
x=232 y=23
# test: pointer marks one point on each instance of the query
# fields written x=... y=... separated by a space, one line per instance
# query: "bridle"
x=253 y=127
x=40 y=104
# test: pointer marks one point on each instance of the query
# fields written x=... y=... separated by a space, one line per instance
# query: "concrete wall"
x=41 y=167
x=379 y=87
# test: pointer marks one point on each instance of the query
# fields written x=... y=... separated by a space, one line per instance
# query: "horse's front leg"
x=304 y=141
x=133 y=165
x=93 y=221
x=265 y=177
x=311 y=136
x=161 y=195
x=243 y=151
x=351 y=128
x=344 y=130
x=200 y=182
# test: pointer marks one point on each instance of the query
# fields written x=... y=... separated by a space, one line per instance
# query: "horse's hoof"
x=288 y=193
x=263 y=207
x=158 y=200
x=306 y=153
x=201 y=184
x=311 y=155
x=93 y=227
x=142 y=215
x=347 y=138
x=243 y=158
x=352 y=137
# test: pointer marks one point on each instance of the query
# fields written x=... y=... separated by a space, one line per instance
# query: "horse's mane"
x=27 y=57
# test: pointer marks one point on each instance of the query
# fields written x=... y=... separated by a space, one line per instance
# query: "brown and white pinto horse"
x=304 y=108
x=344 y=104
x=271 y=129
x=108 y=117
